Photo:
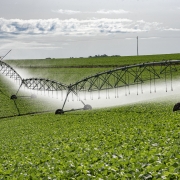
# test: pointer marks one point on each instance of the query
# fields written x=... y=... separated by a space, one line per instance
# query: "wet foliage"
x=132 y=142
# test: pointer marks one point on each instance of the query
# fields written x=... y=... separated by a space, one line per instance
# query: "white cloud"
x=144 y=38
x=120 y=11
x=61 y=11
x=149 y=37
x=102 y=11
x=30 y=44
x=172 y=29
x=141 y=21
x=74 y=26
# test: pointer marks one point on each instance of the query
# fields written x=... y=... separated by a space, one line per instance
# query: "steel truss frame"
x=43 y=84
x=116 y=78
x=7 y=70
x=124 y=77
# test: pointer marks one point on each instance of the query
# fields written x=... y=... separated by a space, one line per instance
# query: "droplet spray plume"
x=113 y=97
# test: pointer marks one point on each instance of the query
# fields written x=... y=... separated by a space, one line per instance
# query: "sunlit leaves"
x=133 y=142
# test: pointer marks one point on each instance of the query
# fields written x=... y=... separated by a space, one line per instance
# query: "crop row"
x=132 y=142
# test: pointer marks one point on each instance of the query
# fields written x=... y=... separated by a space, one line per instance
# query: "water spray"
x=118 y=83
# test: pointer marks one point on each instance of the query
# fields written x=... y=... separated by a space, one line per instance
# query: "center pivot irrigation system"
x=119 y=79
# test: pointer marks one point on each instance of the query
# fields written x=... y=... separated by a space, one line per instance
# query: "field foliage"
x=131 y=142
x=140 y=141
x=124 y=60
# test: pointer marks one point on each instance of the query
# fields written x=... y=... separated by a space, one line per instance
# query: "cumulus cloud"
x=74 y=26
x=172 y=29
x=120 y=11
x=19 y=26
x=61 y=11
x=102 y=11
x=31 y=43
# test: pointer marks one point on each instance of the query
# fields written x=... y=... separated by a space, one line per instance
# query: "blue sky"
x=80 y=28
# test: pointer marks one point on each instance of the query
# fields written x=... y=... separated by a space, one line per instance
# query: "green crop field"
x=57 y=69
x=124 y=60
x=139 y=141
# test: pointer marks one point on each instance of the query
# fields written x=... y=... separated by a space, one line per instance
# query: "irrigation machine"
x=118 y=79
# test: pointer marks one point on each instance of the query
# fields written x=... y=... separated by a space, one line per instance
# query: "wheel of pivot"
x=87 y=107
x=176 y=107
x=59 y=111
x=13 y=96
x=33 y=96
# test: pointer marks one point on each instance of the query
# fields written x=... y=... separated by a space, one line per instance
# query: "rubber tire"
x=176 y=107
x=59 y=111
x=13 y=96
x=87 y=107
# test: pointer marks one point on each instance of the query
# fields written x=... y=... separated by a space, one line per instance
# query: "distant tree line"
x=104 y=55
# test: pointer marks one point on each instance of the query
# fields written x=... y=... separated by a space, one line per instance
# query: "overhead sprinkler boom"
x=2 y=57
x=7 y=70
x=119 y=79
